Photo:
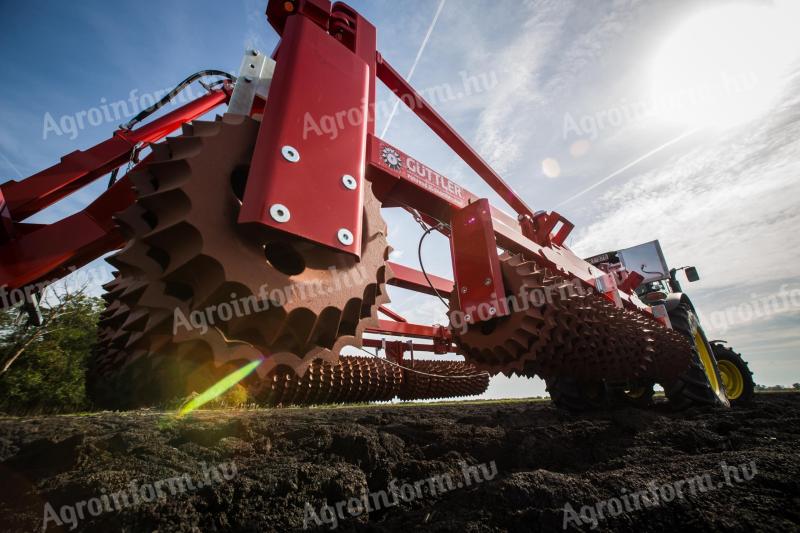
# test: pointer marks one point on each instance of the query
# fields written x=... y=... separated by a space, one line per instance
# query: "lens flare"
x=219 y=388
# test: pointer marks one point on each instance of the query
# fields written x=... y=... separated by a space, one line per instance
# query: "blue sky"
x=568 y=94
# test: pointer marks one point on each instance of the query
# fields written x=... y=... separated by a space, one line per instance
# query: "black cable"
x=174 y=92
x=113 y=178
x=422 y=267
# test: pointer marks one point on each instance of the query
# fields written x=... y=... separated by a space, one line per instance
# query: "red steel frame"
x=329 y=44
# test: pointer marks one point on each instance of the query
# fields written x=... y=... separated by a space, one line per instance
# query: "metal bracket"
x=296 y=165
x=476 y=266
x=660 y=314
x=6 y=222
x=255 y=76
x=607 y=286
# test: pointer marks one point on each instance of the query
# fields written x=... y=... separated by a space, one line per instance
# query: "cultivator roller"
x=423 y=380
x=556 y=328
x=258 y=237
x=349 y=380
x=244 y=295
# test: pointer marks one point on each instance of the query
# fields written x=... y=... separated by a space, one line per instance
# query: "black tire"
x=638 y=396
x=693 y=386
x=572 y=395
x=723 y=354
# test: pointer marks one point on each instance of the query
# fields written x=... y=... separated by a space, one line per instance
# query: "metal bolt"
x=345 y=237
x=349 y=182
x=487 y=281
x=464 y=289
x=290 y=154
x=492 y=310
x=467 y=317
x=254 y=52
x=279 y=213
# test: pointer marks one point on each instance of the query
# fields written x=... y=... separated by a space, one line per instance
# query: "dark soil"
x=545 y=459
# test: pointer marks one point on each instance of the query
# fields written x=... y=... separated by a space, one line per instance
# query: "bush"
x=43 y=368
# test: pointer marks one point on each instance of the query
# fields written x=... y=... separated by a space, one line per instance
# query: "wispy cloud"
x=729 y=205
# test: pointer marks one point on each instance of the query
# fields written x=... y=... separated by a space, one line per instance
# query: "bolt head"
x=487 y=281
x=467 y=317
x=464 y=290
x=492 y=310
x=345 y=236
x=290 y=153
x=279 y=213
x=349 y=182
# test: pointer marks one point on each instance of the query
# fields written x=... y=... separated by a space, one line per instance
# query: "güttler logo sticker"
x=391 y=158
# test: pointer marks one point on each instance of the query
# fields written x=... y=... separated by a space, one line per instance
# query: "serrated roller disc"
x=424 y=380
x=291 y=302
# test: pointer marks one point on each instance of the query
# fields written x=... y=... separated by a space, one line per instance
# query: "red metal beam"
x=391 y=314
x=406 y=329
x=81 y=167
x=46 y=252
x=401 y=181
x=413 y=280
x=417 y=347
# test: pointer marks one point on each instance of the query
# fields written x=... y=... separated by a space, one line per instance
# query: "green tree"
x=42 y=368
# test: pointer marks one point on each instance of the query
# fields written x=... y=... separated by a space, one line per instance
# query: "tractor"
x=718 y=375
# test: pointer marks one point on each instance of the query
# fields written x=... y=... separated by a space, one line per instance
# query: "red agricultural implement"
x=269 y=235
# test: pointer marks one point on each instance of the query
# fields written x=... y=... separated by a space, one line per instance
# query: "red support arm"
x=31 y=253
x=81 y=167
x=413 y=280
x=45 y=253
x=406 y=329
x=417 y=347
x=391 y=314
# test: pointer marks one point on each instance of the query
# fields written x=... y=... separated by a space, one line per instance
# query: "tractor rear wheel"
x=736 y=376
x=701 y=383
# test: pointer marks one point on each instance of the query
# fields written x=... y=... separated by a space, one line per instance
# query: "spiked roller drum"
x=424 y=380
x=349 y=380
x=562 y=331
x=286 y=301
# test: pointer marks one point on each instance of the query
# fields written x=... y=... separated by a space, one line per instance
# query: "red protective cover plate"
x=317 y=104
x=476 y=266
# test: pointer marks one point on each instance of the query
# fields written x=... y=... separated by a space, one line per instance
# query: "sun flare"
x=726 y=65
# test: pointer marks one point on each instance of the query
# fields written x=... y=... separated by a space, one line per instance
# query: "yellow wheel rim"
x=731 y=378
x=708 y=364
